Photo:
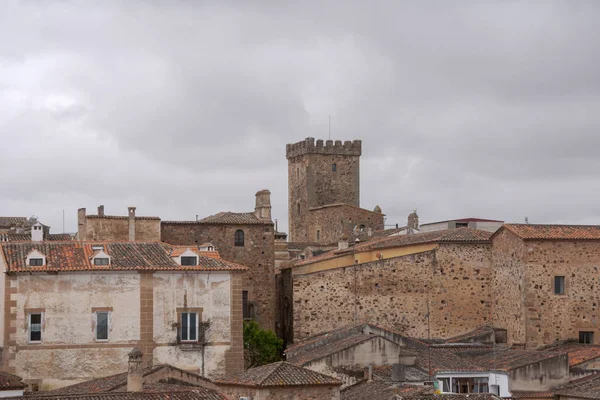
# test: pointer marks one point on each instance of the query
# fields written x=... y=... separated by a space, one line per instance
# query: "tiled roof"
x=175 y=393
x=76 y=256
x=554 y=232
x=331 y=348
x=460 y=235
x=179 y=250
x=226 y=218
x=11 y=382
x=584 y=388
x=453 y=396
x=578 y=353
x=378 y=389
x=521 y=394
x=116 y=382
x=412 y=374
x=473 y=335
x=26 y=237
x=7 y=222
x=388 y=232
x=321 y=339
x=276 y=375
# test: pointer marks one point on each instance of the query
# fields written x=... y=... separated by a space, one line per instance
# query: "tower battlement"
x=308 y=146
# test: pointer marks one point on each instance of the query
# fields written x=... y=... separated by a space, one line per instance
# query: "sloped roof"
x=7 y=222
x=460 y=235
x=472 y=335
x=380 y=389
x=26 y=237
x=522 y=394
x=173 y=393
x=75 y=256
x=179 y=250
x=117 y=382
x=554 y=232
x=584 y=388
x=11 y=382
x=331 y=348
x=276 y=375
x=578 y=352
x=227 y=218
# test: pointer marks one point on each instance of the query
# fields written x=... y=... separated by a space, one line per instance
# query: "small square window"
x=101 y=261
x=102 y=325
x=189 y=261
x=36 y=262
x=586 y=337
x=35 y=328
x=559 y=285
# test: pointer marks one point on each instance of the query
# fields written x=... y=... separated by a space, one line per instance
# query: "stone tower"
x=320 y=174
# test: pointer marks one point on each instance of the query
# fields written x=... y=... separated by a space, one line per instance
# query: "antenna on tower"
x=329 y=126
x=526 y=220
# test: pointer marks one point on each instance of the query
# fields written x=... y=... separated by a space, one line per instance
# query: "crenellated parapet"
x=308 y=146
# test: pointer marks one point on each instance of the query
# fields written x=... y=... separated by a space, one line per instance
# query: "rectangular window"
x=334 y=167
x=445 y=385
x=559 y=285
x=318 y=234
x=586 y=337
x=245 y=309
x=101 y=325
x=101 y=261
x=191 y=261
x=36 y=262
x=35 y=328
x=189 y=327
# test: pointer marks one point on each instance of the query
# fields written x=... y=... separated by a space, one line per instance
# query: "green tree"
x=261 y=346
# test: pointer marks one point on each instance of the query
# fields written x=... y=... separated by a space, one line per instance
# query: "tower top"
x=308 y=146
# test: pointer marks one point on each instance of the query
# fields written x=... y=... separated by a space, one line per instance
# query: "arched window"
x=238 y=238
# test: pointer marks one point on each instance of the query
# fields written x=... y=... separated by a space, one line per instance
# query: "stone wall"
x=283 y=393
x=552 y=317
x=508 y=285
x=450 y=283
x=327 y=224
x=117 y=229
x=313 y=180
x=143 y=310
x=258 y=254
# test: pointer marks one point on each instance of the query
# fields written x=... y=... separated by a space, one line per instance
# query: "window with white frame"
x=102 y=318
x=35 y=327
x=189 y=327
x=36 y=262
x=101 y=261
x=189 y=261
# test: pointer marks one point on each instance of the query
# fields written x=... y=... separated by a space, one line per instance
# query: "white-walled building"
x=72 y=311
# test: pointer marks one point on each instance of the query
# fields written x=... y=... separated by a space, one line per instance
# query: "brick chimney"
x=101 y=211
x=262 y=210
x=135 y=372
x=131 y=223
x=81 y=235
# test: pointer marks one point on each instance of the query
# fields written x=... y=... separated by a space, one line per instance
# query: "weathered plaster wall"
x=283 y=393
x=543 y=375
x=117 y=228
x=348 y=365
x=508 y=285
x=143 y=310
x=451 y=283
x=258 y=254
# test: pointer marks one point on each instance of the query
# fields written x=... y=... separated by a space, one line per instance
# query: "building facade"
x=324 y=192
x=117 y=227
x=74 y=310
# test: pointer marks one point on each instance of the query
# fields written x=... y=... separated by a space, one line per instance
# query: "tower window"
x=318 y=234
x=334 y=167
x=586 y=337
x=559 y=285
x=238 y=238
x=298 y=208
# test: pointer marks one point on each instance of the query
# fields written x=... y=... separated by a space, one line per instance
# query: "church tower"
x=320 y=174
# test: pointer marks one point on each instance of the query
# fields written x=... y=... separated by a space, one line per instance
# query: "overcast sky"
x=485 y=109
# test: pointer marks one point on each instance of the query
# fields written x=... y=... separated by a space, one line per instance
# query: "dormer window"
x=101 y=261
x=100 y=258
x=36 y=262
x=210 y=248
x=190 y=261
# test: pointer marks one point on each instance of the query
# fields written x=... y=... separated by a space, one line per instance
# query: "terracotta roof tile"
x=554 y=232
x=8 y=222
x=226 y=218
x=584 y=388
x=175 y=393
x=75 y=256
x=26 y=237
x=522 y=394
x=379 y=389
x=332 y=348
x=11 y=382
x=276 y=375
x=578 y=353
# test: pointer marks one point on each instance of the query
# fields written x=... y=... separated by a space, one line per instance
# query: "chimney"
x=81 y=224
x=370 y=373
x=135 y=372
x=343 y=243
x=131 y=223
x=37 y=232
x=398 y=373
x=101 y=211
x=262 y=210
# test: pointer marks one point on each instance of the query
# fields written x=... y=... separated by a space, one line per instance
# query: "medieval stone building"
x=324 y=192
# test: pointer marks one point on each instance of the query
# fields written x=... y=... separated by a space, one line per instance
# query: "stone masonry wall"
x=314 y=182
x=451 y=283
x=554 y=317
x=117 y=229
x=333 y=222
x=508 y=285
x=258 y=254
